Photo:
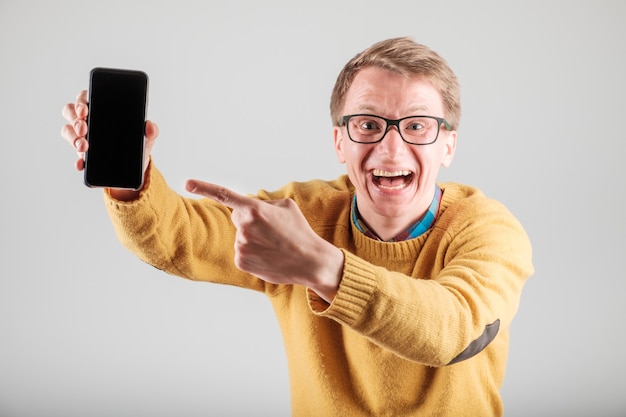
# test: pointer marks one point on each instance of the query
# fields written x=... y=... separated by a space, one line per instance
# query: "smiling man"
x=394 y=293
x=393 y=163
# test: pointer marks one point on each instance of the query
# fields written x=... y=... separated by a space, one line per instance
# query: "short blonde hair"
x=403 y=56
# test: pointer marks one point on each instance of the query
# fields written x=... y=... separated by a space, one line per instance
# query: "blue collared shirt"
x=417 y=229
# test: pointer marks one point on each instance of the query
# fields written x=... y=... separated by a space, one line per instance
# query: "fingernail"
x=77 y=143
x=80 y=107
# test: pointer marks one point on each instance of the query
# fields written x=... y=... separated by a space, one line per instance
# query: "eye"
x=415 y=126
x=369 y=124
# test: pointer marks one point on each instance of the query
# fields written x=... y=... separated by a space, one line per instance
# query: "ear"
x=339 y=144
x=449 y=147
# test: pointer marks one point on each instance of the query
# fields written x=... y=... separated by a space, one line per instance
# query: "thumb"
x=151 y=131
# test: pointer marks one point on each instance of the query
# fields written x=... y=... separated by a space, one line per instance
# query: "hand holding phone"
x=116 y=127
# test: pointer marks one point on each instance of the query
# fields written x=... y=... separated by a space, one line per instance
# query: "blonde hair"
x=406 y=57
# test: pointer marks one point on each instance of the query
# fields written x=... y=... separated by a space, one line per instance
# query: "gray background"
x=240 y=91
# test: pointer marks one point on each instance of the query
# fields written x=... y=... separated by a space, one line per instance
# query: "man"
x=394 y=293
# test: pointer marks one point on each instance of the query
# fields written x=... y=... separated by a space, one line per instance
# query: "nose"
x=392 y=143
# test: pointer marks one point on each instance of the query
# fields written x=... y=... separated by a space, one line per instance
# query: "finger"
x=69 y=112
x=152 y=130
x=220 y=194
x=78 y=127
x=78 y=142
x=80 y=164
x=74 y=133
x=76 y=110
x=81 y=104
x=81 y=97
x=151 y=133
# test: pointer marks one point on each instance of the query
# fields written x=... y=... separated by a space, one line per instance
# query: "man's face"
x=394 y=180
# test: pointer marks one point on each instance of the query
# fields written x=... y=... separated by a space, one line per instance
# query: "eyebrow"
x=419 y=108
x=367 y=108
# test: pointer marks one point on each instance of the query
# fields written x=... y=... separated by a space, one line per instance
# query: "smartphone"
x=118 y=100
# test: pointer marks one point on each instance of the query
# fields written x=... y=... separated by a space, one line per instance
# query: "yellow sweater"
x=418 y=328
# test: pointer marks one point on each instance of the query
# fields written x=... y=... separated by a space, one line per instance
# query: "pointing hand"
x=275 y=242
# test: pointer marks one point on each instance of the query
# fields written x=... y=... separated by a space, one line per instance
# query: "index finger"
x=76 y=110
x=220 y=194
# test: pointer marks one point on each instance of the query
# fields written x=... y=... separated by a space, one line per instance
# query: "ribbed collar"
x=416 y=230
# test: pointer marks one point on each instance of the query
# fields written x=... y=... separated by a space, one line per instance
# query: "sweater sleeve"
x=193 y=239
x=468 y=279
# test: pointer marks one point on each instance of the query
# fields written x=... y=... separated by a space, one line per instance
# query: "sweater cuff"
x=355 y=292
x=152 y=194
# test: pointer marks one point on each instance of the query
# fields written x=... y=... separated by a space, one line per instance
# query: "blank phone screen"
x=116 y=121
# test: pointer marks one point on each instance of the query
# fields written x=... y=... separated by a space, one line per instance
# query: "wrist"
x=126 y=195
x=329 y=278
x=123 y=194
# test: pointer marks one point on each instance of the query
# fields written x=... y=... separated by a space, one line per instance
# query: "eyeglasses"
x=416 y=130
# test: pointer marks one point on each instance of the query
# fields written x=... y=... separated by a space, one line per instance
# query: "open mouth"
x=392 y=180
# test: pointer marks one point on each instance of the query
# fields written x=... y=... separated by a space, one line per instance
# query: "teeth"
x=389 y=174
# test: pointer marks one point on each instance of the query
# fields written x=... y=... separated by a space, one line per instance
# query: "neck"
x=389 y=230
x=387 y=227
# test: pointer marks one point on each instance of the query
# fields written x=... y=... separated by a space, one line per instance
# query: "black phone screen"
x=116 y=122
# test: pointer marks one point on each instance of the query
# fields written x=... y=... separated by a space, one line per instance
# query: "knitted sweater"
x=419 y=327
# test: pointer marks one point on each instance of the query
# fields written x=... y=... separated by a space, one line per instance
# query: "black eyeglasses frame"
x=396 y=123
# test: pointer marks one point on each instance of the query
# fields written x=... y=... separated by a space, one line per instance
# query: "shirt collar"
x=416 y=230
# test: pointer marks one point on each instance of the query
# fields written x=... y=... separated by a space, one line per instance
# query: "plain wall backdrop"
x=240 y=91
